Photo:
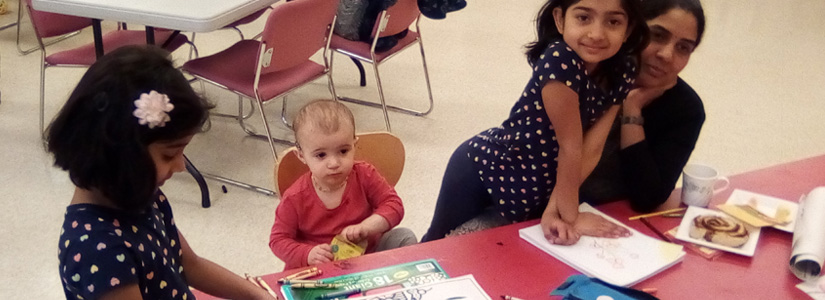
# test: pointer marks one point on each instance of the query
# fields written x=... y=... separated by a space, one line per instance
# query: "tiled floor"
x=760 y=71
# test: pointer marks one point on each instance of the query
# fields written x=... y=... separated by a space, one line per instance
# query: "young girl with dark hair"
x=120 y=136
x=532 y=165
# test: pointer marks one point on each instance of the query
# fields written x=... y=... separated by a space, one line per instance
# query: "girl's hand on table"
x=557 y=231
x=591 y=224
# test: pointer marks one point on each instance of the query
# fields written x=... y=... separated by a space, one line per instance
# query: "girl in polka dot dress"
x=532 y=165
x=120 y=136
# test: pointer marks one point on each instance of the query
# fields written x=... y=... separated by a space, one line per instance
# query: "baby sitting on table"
x=338 y=196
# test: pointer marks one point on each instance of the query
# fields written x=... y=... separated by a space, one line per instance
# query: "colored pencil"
x=669 y=211
x=655 y=230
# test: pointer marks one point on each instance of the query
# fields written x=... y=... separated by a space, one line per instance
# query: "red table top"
x=503 y=263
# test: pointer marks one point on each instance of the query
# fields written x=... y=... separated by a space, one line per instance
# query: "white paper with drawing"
x=462 y=287
x=621 y=261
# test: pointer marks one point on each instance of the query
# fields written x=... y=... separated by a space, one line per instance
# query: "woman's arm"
x=650 y=170
x=213 y=279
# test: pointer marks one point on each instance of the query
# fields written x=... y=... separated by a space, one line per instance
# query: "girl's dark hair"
x=99 y=142
x=652 y=9
x=547 y=33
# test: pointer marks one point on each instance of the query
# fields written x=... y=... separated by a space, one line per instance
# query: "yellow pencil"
x=249 y=278
x=266 y=287
x=658 y=213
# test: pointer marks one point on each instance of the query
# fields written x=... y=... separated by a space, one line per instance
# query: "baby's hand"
x=319 y=254
x=355 y=233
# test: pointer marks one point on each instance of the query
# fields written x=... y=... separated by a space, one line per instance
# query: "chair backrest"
x=295 y=30
x=381 y=149
x=401 y=15
x=48 y=24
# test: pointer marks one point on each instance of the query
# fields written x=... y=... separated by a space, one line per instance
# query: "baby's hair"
x=100 y=143
x=652 y=9
x=547 y=32
x=324 y=115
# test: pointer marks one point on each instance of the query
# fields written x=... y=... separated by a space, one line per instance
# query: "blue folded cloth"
x=581 y=287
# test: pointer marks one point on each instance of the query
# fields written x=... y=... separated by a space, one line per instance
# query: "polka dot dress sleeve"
x=92 y=266
x=560 y=63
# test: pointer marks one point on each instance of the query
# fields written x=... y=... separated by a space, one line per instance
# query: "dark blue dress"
x=103 y=248
x=517 y=160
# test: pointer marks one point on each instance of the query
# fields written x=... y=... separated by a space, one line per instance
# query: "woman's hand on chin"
x=640 y=97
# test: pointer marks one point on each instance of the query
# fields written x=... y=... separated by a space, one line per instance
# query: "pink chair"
x=278 y=64
x=18 y=23
x=391 y=21
x=48 y=25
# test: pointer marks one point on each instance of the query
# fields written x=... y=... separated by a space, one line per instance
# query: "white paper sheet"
x=621 y=261
x=808 y=248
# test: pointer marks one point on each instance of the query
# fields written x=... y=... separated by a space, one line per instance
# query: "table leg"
x=98 y=35
x=150 y=35
x=201 y=182
x=170 y=39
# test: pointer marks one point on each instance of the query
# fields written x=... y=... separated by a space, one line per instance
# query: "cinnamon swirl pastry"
x=719 y=230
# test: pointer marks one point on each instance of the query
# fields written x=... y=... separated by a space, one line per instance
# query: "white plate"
x=684 y=232
x=767 y=205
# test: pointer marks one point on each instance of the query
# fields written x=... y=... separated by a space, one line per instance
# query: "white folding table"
x=178 y=15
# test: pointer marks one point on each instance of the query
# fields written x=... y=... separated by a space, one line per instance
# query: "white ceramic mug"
x=699 y=184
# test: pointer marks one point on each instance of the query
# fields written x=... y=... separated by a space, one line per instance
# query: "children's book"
x=375 y=281
x=621 y=261
x=462 y=287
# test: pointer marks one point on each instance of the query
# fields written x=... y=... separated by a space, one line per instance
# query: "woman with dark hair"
x=661 y=118
x=120 y=136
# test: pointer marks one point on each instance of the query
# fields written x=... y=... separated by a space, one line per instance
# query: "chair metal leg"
x=42 y=94
x=268 y=131
x=19 y=23
x=381 y=96
x=383 y=104
x=426 y=76
x=192 y=49
x=283 y=114
x=239 y=184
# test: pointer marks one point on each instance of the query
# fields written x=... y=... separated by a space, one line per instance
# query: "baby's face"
x=329 y=156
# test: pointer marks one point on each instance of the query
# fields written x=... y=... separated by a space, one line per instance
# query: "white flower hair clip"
x=152 y=109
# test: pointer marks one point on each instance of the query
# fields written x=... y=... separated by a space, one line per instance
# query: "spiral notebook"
x=622 y=261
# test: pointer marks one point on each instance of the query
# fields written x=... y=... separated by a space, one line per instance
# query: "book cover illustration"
x=374 y=281
x=462 y=287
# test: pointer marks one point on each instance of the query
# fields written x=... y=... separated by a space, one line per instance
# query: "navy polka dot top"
x=517 y=160
x=102 y=249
